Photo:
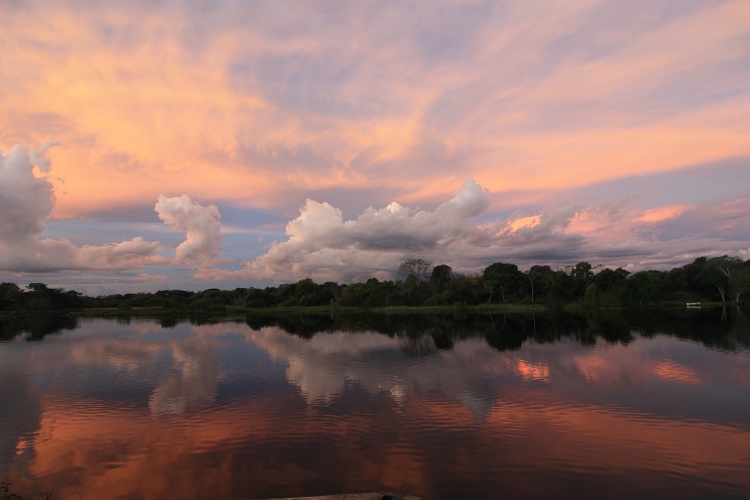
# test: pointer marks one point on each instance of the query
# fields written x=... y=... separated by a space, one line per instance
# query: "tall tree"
x=737 y=273
x=503 y=278
x=419 y=268
x=440 y=277
x=11 y=296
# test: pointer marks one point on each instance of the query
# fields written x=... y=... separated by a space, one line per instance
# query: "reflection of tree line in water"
x=36 y=327
x=715 y=328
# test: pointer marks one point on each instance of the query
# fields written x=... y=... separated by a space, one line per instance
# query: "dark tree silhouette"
x=419 y=268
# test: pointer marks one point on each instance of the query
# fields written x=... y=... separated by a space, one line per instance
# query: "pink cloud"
x=27 y=200
x=663 y=213
x=512 y=106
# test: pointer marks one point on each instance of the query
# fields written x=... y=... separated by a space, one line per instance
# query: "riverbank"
x=162 y=312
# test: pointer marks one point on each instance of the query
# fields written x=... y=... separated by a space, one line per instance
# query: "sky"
x=165 y=144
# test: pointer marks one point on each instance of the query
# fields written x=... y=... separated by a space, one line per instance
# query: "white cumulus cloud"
x=323 y=246
x=200 y=224
x=27 y=198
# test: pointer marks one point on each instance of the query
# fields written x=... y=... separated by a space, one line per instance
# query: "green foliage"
x=501 y=279
x=717 y=279
x=441 y=277
x=590 y=298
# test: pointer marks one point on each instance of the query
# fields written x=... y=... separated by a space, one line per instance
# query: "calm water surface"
x=441 y=407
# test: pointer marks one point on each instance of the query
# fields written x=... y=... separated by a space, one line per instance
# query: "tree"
x=610 y=286
x=583 y=270
x=544 y=282
x=39 y=297
x=464 y=290
x=737 y=273
x=11 y=296
x=645 y=285
x=419 y=268
x=501 y=277
x=589 y=297
x=255 y=297
x=440 y=277
x=39 y=289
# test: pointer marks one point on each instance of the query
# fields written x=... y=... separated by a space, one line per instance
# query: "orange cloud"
x=517 y=224
x=664 y=213
x=235 y=119
x=174 y=463
x=669 y=370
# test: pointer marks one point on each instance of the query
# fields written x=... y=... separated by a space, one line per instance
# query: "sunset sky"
x=183 y=144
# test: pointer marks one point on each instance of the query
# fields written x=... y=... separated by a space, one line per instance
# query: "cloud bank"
x=322 y=245
x=319 y=243
x=26 y=200
x=27 y=197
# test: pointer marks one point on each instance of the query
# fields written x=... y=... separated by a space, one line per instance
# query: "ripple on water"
x=338 y=411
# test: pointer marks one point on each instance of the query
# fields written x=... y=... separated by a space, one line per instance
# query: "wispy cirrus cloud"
x=512 y=93
x=257 y=107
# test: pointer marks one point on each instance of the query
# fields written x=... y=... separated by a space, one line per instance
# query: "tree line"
x=418 y=283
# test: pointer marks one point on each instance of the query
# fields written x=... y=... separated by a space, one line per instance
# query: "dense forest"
x=707 y=279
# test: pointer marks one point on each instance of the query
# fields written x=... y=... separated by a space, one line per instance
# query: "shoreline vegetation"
x=113 y=312
x=421 y=288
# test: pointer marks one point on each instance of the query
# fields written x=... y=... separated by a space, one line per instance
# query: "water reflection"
x=443 y=407
x=726 y=329
x=35 y=327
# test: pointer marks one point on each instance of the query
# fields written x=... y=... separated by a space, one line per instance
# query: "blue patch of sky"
x=101 y=232
x=710 y=182
x=705 y=224
x=248 y=217
x=247 y=246
x=703 y=185
x=122 y=225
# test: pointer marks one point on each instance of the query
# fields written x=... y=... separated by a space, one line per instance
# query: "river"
x=613 y=405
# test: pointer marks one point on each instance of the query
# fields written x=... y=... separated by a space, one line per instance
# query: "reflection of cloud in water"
x=615 y=364
x=533 y=371
x=128 y=355
x=190 y=379
x=669 y=370
x=560 y=400
x=193 y=383
x=321 y=367
x=195 y=370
